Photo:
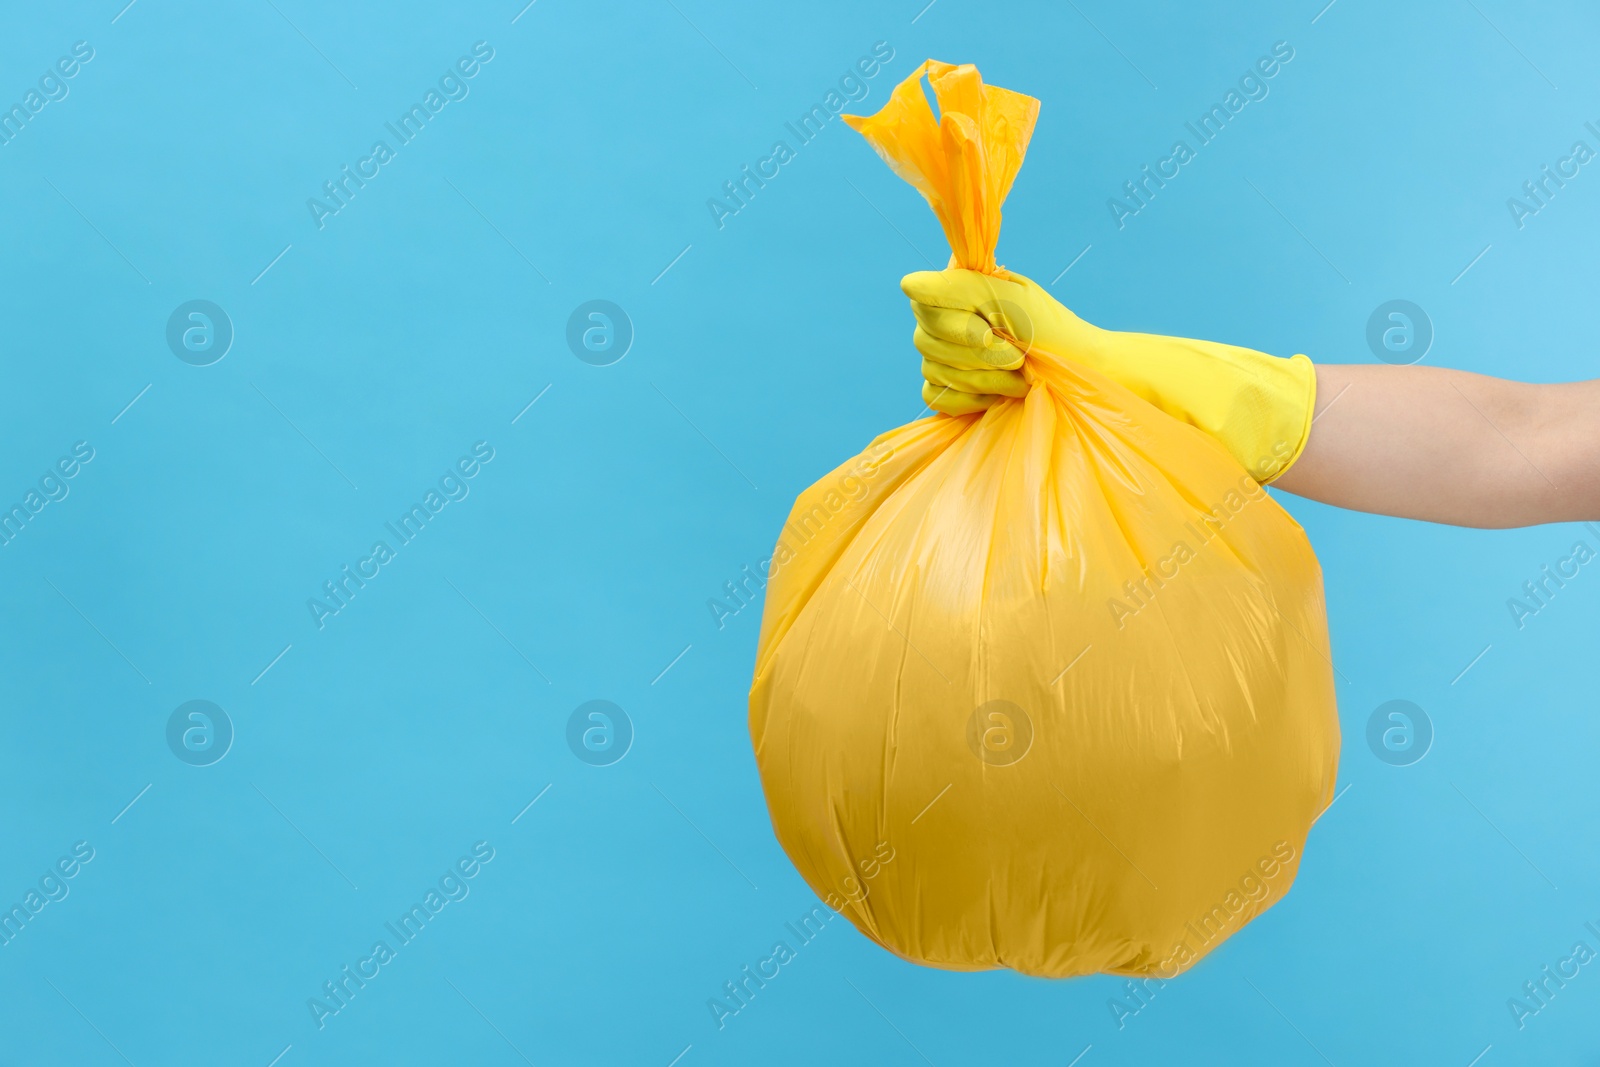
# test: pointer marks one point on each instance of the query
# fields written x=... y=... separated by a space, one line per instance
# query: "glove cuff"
x=1298 y=414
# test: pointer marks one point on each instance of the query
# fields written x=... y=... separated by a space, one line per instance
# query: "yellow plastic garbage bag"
x=1047 y=686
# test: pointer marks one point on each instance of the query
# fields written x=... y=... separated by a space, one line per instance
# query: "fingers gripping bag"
x=1047 y=686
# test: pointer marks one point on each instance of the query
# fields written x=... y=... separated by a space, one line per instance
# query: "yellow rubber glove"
x=974 y=329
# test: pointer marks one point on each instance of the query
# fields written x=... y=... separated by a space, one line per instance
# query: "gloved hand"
x=974 y=329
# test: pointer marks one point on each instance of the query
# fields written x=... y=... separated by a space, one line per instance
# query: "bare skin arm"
x=1451 y=447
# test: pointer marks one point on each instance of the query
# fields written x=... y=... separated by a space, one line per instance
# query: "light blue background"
x=431 y=310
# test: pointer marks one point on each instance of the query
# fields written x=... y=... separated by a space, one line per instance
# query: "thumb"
x=957 y=289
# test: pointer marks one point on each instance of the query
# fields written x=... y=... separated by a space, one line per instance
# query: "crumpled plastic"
x=1048 y=686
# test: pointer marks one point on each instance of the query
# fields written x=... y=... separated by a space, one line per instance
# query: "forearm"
x=1452 y=447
